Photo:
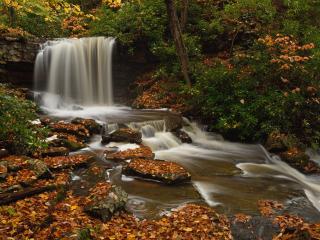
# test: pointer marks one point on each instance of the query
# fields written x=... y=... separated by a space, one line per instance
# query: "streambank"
x=141 y=164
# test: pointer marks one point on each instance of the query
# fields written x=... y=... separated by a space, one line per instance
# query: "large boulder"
x=163 y=171
x=123 y=135
x=141 y=152
x=105 y=200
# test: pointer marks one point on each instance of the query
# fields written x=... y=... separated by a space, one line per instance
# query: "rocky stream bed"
x=68 y=192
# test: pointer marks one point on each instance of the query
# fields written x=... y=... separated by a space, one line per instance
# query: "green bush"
x=16 y=131
x=134 y=23
x=256 y=97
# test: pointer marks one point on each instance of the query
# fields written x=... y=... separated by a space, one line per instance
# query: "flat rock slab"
x=141 y=152
x=105 y=200
x=70 y=141
x=54 y=152
x=56 y=163
x=163 y=171
x=123 y=135
x=15 y=162
x=75 y=129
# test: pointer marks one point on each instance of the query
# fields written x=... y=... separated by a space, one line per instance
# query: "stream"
x=231 y=177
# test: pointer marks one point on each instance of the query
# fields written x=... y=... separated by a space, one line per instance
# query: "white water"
x=75 y=76
x=77 y=70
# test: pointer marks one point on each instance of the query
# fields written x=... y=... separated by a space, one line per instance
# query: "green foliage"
x=256 y=97
x=134 y=23
x=16 y=129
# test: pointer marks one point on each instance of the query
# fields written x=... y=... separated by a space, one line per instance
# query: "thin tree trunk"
x=184 y=14
x=178 y=41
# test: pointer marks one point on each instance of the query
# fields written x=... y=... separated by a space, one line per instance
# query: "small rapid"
x=73 y=78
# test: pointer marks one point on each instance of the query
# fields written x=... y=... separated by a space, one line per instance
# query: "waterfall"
x=79 y=71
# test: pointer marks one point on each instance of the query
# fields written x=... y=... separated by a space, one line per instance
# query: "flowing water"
x=230 y=176
x=78 y=70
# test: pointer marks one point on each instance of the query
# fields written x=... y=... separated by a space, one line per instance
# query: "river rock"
x=54 y=152
x=163 y=171
x=298 y=159
x=105 y=200
x=61 y=162
x=90 y=124
x=15 y=162
x=279 y=142
x=39 y=168
x=183 y=136
x=123 y=135
x=141 y=152
x=69 y=141
x=76 y=129
x=46 y=121
x=276 y=142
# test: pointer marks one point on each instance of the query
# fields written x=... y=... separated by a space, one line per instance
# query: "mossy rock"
x=114 y=201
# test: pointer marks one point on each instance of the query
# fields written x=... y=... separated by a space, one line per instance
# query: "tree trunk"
x=178 y=41
x=184 y=14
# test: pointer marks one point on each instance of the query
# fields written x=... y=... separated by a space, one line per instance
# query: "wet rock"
x=62 y=162
x=105 y=138
x=183 y=136
x=276 y=142
x=70 y=128
x=39 y=168
x=256 y=227
x=105 y=200
x=71 y=145
x=164 y=171
x=46 y=121
x=141 y=152
x=297 y=158
x=67 y=140
x=3 y=169
x=54 y=152
x=16 y=163
x=90 y=124
x=173 y=121
x=279 y=142
x=3 y=153
x=110 y=150
x=123 y=135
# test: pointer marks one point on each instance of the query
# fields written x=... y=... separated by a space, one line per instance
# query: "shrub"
x=17 y=132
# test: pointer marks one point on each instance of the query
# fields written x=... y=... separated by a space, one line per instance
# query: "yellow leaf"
x=74 y=207
x=188 y=229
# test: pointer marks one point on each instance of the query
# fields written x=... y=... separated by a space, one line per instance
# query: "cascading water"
x=79 y=71
x=75 y=77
